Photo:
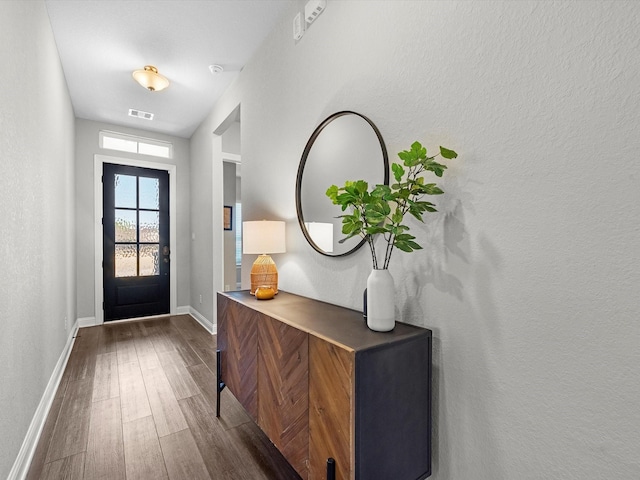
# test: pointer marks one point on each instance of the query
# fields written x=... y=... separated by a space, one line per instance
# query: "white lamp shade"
x=263 y=236
x=321 y=234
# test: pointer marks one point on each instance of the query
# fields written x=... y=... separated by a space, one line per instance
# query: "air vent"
x=140 y=114
x=313 y=9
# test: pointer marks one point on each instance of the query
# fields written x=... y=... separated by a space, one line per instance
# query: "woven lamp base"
x=264 y=273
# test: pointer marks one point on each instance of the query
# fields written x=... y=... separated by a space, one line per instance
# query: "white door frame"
x=217 y=223
x=98 y=160
x=218 y=156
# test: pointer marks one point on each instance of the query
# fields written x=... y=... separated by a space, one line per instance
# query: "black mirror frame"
x=303 y=161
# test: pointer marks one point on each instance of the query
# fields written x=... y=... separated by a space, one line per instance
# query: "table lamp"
x=263 y=237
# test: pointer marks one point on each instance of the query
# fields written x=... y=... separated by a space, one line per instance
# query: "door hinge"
x=102 y=305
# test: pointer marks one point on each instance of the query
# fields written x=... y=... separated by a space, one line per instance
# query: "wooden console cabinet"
x=321 y=385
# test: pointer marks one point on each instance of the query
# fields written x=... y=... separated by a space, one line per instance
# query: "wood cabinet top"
x=339 y=325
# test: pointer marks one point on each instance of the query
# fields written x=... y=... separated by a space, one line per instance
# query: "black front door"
x=136 y=263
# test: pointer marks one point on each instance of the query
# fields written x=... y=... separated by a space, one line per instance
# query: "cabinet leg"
x=220 y=383
x=331 y=469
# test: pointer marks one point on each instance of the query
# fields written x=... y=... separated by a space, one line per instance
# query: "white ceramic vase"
x=380 y=301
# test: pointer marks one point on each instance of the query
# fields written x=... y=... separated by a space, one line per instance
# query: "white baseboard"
x=91 y=321
x=202 y=320
x=25 y=455
x=86 y=322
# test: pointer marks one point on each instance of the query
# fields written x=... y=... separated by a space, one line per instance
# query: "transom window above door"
x=132 y=144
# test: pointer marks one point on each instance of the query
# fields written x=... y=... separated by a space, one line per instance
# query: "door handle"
x=165 y=251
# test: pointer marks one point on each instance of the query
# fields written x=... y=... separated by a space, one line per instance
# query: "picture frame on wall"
x=227 y=217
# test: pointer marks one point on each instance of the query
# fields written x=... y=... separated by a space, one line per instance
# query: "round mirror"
x=346 y=146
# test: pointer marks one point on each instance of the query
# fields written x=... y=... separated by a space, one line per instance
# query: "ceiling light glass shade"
x=150 y=79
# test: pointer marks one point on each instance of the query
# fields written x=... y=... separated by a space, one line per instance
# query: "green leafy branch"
x=382 y=210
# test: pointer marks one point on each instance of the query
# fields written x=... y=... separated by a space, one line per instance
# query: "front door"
x=136 y=261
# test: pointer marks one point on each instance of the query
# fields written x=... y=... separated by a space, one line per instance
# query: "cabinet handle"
x=331 y=469
x=219 y=381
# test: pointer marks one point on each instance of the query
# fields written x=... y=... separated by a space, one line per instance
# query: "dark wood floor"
x=138 y=400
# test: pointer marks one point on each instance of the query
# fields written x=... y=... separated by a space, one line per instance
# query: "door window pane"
x=125 y=191
x=149 y=193
x=149 y=226
x=126 y=226
x=126 y=261
x=149 y=257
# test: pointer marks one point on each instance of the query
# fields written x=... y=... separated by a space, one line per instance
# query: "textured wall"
x=231 y=139
x=218 y=133
x=200 y=201
x=530 y=275
x=87 y=147
x=37 y=285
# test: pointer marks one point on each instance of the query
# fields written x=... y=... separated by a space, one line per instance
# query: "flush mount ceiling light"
x=150 y=79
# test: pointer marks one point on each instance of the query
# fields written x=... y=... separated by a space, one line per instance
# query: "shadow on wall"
x=463 y=349
x=443 y=234
x=447 y=233
x=465 y=343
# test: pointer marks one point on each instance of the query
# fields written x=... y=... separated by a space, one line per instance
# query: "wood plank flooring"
x=137 y=400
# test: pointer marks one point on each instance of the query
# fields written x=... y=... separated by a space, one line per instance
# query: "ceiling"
x=101 y=42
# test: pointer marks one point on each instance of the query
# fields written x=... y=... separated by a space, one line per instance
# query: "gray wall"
x=201 y=211
x=530 y=273
x=86 y=147
x=231 y=139
x=37 y=285
x=206 y=189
